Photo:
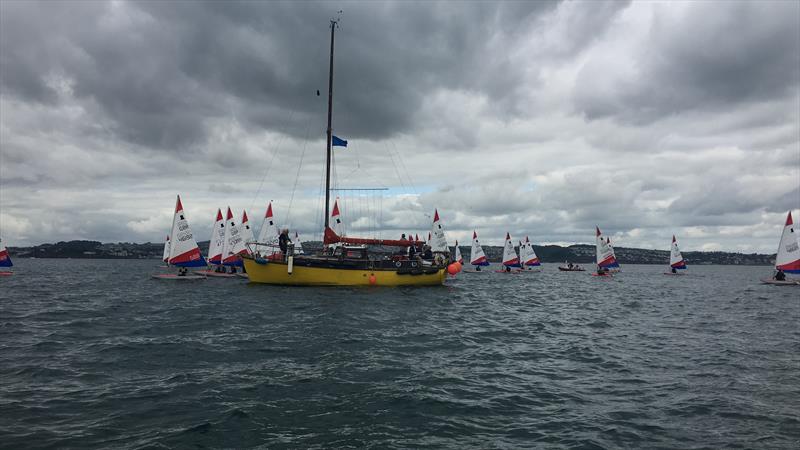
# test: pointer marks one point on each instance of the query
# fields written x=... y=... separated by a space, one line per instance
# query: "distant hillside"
x=580 y=253
x=90 y=249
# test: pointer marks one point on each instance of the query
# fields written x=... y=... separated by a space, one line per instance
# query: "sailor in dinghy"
x=787 y=260
x=527 y=256
x=604 y=255
x=510 y=259
x=476 y=256
x=676 y=261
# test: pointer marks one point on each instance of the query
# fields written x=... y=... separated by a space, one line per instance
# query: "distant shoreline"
x=578 y=253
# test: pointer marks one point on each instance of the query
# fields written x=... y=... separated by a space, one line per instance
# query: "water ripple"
x=94 y=354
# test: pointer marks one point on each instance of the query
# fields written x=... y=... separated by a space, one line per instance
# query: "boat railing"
x=270 y=250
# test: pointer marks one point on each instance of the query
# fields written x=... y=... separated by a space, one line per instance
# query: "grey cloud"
x=708 y=59
x=165 y=67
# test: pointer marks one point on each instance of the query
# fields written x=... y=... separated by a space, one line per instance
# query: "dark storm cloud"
x=159 y=70
x=709 y=58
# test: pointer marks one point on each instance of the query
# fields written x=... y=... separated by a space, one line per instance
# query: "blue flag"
x=336 y=142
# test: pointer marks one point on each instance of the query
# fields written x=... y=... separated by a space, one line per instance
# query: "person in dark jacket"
x=283 y=240
x=427 y=254
x=780 y=276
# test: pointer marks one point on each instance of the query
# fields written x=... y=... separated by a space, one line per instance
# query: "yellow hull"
x=277 y=273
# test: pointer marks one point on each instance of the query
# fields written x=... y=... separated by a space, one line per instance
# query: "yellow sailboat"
x=346 y=261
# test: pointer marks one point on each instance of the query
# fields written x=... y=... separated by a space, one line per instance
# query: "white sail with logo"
x=183 y=249
x=675 y=258
x=246 y=231
x=268 y=236
x=437 y=242
x=234 y=244
x=476 y=256
x=217 y=240
x=510 y=258
x=788 y=257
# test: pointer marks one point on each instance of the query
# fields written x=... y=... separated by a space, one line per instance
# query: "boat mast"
x=334 y=24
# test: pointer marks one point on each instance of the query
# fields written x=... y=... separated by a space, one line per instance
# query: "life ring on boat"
x=398 y=264
x=414 y=264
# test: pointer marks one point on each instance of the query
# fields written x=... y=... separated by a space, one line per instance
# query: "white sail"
x=183 y=249
x=675 y=258
x=604 y=255
x=510 y=258
x=165 y=257
x=298 y=246
x=523 y=253
x=788 y=257
x=615 y=264
x=530 y=258
x=246 y=231
x=458 y=258
x=438 y=242
x=476 y=255
x=268 y=235
x=217 y=239
x=233 y=246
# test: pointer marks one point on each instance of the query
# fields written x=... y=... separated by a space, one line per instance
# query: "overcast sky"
x=543 y=119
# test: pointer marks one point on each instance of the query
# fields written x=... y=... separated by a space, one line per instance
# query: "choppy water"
x=96 y=354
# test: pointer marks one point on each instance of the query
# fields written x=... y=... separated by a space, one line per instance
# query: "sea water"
x=97 y=354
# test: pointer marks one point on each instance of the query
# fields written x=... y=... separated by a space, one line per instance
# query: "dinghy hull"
x=780 y=283
x=176 y=277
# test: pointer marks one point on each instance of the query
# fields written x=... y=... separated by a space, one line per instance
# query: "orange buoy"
x=372 y=279
x=452 y=269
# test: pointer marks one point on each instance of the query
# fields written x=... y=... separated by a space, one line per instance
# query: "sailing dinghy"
x=5 y=260
x=233 y=247
x=788 y=258
x=215 y=247
x=510 y=258
x=604 y=255
x=676 y=261
x=476 y=256
x=183 y=249
x=527 y=256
